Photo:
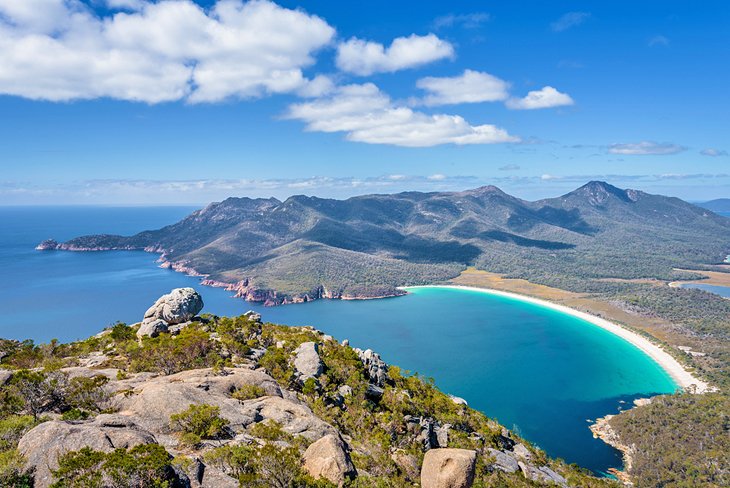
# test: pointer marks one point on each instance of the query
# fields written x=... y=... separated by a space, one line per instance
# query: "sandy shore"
x=681 y=376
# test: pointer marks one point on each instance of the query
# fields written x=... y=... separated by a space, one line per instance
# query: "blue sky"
x=130 y=101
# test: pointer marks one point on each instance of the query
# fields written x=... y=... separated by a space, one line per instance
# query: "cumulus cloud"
x=367 y=57
x=714 y=153
x=645 y=148
x=546 y=97
x=469 y=87
x=155 y=52
x=571 y=19
x=368 y=115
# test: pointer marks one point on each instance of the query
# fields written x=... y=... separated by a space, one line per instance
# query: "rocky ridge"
x=305 y=396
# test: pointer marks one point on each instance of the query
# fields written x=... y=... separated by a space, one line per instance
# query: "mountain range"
x=306 y=247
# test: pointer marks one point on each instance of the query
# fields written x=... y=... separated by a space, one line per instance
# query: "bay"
x=534 y=369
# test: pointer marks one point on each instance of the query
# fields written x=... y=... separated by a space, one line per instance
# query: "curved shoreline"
x=676 y=371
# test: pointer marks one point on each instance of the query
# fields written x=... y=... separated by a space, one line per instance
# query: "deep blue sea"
x=534 y=369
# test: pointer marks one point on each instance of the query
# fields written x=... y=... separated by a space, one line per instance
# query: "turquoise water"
x=533 y=368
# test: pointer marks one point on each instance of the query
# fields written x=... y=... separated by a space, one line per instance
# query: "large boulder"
x=448 y=468
x=329 y=458
x=44 y=444
x=178 y=306
x=504 y=461
x=307 y=361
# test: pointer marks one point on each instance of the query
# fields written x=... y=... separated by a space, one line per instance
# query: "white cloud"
x=546 y=97
x=712 y=152
x=469 y=87
x=645 y=148
x=467 y=21
x=162 y=52
x=658 y=41
x=368 y=115
x=571 y=19
x=366 y=57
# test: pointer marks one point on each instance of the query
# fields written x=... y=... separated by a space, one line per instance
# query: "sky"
x=182 y=102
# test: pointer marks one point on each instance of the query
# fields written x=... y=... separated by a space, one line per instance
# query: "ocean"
x=536 y=370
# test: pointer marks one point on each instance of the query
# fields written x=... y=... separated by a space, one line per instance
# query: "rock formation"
x=329 y=458
x=307 y=361
x=448 y=468
x=43 y=445
x=176 y=308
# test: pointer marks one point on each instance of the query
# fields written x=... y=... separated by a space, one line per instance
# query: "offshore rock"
x=448 y=468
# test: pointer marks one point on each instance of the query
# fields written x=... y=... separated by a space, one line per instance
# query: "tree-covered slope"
x=307 y=247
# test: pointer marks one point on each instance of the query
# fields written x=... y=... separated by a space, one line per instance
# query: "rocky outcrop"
x=178 y=306
x=448 y=468
x=47 y=245
x=543 y=475
x=43 y=445
x=170 y=311
x=504 y=461
x=307 y=361
x=375 y=368
x=153 y=401
x=329 y=458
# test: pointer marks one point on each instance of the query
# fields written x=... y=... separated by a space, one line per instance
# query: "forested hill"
x=308 y=247
x=719 y=205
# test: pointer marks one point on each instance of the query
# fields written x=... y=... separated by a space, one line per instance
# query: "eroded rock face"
x=178 y=306
x=307 y=361
x=448 y=468
x=43 y=445
x=504 y=461
x=329 y=458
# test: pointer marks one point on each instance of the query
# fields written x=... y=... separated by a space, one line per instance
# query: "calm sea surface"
x=534 y=369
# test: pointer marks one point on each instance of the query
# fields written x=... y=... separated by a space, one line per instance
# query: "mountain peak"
x=599 y=192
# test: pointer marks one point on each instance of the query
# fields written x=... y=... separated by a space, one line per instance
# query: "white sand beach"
x=679 y=374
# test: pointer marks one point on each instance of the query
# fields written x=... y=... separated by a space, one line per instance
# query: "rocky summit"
x=226 y=402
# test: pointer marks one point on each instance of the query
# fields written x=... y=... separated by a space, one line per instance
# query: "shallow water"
x=723 y=291
x=534 y=369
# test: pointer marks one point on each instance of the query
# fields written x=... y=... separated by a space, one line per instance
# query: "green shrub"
x=248 y=392
x=39 y=391
x=75 y=414
x=202 y=421
x=121 y=332
x=270 y=430
x=168 y=354
x=145 y=465
x=88 y=393
x=12 y=428
x=13 y=472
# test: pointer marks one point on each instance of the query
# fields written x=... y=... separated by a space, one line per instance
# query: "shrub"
x=88 y=393
x=38 y=391
x=143 y=466
x=12 y=428
x=121 y=332
x=201 y=421
x=249 y=392
x=168 y=354
x=12 y=470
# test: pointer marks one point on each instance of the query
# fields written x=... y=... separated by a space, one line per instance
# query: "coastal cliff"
x=218 y=402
